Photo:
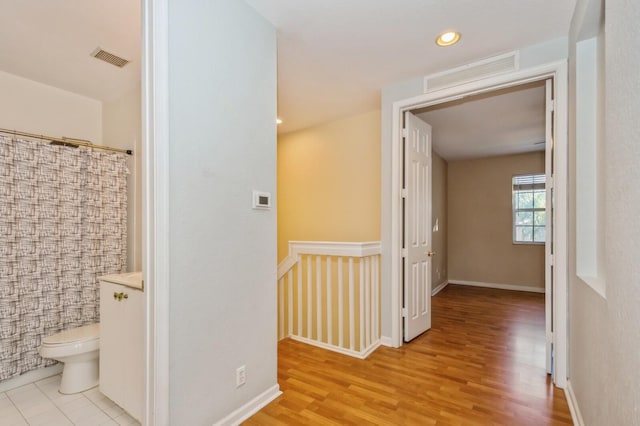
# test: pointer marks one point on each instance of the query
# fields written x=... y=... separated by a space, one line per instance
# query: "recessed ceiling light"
x=448 y=38
x=278 y=121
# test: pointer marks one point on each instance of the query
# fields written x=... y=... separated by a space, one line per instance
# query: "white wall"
x=122 y=128
x=222 y=95
x=604 y=368
x=32 y=107
x=530 y=56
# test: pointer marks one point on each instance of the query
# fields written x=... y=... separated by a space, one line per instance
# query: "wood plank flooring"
x=482 y=363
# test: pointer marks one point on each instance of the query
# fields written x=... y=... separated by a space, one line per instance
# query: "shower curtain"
x=63 y=214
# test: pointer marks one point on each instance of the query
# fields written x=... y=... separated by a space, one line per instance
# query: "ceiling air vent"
x=109 y=57
x=475 y=71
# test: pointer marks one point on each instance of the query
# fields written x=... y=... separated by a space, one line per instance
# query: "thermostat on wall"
x=261 y=200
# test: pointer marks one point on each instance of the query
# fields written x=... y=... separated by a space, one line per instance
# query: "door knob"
x=430 y=253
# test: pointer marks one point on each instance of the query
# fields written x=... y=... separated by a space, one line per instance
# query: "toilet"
x=78 y=348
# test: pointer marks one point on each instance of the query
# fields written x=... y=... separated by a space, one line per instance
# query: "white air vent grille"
x=471 y=72
x=109 y=57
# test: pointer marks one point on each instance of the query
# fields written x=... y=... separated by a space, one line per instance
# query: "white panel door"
x=548 y=247
x=417 y=227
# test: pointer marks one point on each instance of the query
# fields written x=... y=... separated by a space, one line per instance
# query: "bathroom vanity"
x=122 y=340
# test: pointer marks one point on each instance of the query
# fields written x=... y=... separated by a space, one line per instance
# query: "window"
x=529 y=209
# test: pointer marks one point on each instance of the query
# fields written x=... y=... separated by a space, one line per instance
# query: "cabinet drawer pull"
x=120 y=296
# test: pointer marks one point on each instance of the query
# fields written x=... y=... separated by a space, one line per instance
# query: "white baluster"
x=319 y=298
x=367 y=301
x=376 y=296
x=290 y=302
x=281 y=309
x=329 y=304
x=340 y=305
x=299 y=316
x=309 y=297
x=361 y=300
x=352 y=308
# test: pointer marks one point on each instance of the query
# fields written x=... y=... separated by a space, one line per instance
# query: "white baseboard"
x=573 y=405
x=386 y=341
x=30 y=377
x=356 y=354
x=371 y=349
x=250 y=408
x=499 y=286
x=439 y=287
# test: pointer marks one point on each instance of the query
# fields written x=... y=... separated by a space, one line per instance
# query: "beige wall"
x=122 y=128
x=439 y=213
x=329 y=182
x=34 y=107
x=480 y=239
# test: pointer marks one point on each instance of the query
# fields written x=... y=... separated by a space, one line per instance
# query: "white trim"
x=572 y=402
x=561 y=226
x=286 y=265
x=555 y=70
x=515 y=287
x=386 y=341
x=473 y=65
x=31 y=377
x=332 y=248
x=155 y=208
x=439 y=288
x=250 y=408
x=356 y=354
x=326 y=248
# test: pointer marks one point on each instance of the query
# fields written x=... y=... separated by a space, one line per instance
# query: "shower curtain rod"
x=66 y=141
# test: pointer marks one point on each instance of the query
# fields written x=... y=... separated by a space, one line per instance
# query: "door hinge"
x=404 y=193
x=405 y=133
x=552 y=105
x=405 y=313
x=549 y=182
x=551 y=260
x=405 y=252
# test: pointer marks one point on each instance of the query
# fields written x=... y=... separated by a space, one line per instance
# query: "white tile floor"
x=40 y=403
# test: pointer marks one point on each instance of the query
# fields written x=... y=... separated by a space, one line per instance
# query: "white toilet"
x=78 y=348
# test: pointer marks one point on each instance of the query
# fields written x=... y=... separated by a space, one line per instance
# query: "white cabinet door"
x=122 y=346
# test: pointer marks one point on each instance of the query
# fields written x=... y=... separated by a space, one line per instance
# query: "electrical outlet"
x=241 y=376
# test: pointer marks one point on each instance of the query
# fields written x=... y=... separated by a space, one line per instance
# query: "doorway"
x=556 y=296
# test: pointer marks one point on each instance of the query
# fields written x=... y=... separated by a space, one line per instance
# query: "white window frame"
x=533 y=210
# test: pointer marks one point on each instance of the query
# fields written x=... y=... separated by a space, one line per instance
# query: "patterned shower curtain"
x=63 y=222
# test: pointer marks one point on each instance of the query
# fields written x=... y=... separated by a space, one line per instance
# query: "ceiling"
x=334 y=56
x=51 y=42
x=507 y=121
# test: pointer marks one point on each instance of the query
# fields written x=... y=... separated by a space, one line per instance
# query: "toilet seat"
x=82 y=334
x=75 y=341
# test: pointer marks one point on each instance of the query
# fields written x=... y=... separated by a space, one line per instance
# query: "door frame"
x=155 y=208
x=556 y=71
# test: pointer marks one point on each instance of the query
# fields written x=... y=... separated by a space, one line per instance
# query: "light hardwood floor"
x=481 y=363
